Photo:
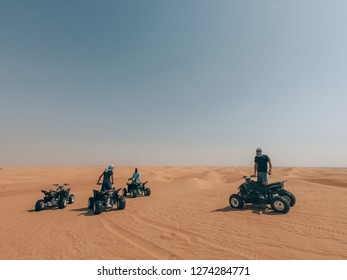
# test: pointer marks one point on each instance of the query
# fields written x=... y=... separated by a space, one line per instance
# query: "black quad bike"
x=135 y=189
x=105 y=200
x=59 y=197
x=256 y=193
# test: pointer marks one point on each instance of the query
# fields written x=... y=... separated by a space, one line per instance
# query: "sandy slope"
x=187 y=217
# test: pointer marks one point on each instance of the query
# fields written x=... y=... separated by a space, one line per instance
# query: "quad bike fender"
x=275 y=189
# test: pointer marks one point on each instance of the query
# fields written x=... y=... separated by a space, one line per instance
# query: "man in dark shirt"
x=261 y=163
x=107 y=183
x=108 y=178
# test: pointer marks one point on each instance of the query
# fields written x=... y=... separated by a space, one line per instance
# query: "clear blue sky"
x=173 y=82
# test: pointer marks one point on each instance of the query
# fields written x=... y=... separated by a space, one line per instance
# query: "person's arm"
x=102 y=174
x=131 y=177
x=270 y=167
x=255 y=168
x=112 y=179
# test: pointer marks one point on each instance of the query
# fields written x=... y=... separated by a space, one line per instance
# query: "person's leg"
x=260 y=178
x=265 y=183
x=265 y=179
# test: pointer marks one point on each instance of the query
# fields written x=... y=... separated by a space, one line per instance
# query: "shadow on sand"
x=89 y=212
x=85 y=211
x=46 y=209
x=258 y=210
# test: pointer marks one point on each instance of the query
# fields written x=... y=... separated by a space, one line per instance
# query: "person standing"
x=108 y=178
x=262 y=166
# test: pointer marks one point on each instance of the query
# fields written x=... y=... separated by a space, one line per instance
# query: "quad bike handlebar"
x=113 y=190
x=63 y=185
x=108 y=191
x=247 y=178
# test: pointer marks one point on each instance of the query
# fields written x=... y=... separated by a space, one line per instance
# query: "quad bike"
x=258 y=194
x=105 y=200
x=59 y=197
x=135 y=189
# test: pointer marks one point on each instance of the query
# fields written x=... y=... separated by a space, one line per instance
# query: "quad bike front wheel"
x=62 y=203
x=121 y=203
x=236 y=201
x=147 y=191
x=133 y=193
x=90 y=203
x=71 y=199
x=280 y=205
x=40 y=205
x=289 y=197
x=97 y=207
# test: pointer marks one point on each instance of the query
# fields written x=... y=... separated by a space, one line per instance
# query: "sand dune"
x=186 y=217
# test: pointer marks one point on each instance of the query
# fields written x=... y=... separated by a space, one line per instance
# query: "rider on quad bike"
x=135 y=179
x=107 y=179
x=260 y=192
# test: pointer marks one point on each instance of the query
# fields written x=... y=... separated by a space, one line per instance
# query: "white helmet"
x=259 y=152
x=109 y=168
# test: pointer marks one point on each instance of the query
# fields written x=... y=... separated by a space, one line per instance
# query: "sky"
x=184 y=82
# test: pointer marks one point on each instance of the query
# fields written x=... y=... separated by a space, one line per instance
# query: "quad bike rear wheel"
x=147 y=191
x=40 y=205
x=289 y=197
x=236 y=201
x=71 y=199
x=121 y=203
x=90 y=203
x=62 y=203
x=97 y=207
x=280 y=205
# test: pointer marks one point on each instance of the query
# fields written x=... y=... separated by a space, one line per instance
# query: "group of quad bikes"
x=105 y=200
x=99 y=202
x=250 y=192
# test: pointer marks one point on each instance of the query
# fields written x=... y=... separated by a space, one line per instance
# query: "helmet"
x=259 y=152
x=109 y=168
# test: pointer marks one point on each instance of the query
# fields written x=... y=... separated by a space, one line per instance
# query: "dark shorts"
x=262 y=177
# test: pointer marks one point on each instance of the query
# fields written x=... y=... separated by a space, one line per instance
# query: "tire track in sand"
x=193 y=238
x=31 y=230
x=146 y=246
x=311 y=228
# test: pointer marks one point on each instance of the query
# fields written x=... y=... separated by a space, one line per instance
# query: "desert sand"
x=187 y=216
